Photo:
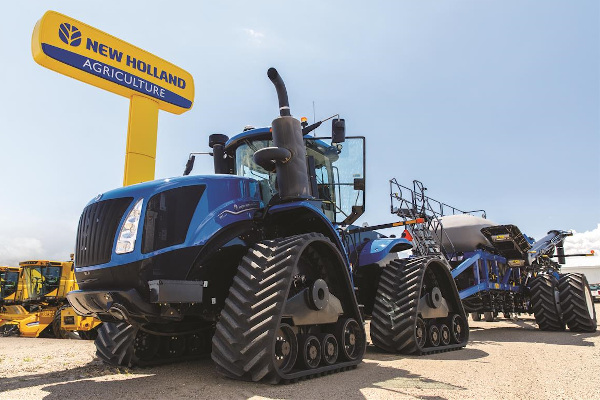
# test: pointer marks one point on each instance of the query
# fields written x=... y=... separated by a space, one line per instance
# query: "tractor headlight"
x=128 y=232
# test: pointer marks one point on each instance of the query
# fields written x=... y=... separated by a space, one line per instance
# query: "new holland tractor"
x=254 y=264
x=497 y=268
x=38 y=305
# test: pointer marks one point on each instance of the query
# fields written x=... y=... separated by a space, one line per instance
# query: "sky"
x=491 y=104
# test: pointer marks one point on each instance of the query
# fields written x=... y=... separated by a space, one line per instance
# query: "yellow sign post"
x=80 y=51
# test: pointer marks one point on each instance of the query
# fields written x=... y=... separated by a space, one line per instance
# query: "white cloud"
x=255 y=36
x=581 y=243
x=15 y=250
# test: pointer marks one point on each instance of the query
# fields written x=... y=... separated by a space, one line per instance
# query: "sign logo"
x=69 y=34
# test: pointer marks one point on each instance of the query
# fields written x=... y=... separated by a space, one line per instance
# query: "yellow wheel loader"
x=38 y=306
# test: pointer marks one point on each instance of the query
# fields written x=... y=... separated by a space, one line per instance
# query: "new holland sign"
x=80 y=51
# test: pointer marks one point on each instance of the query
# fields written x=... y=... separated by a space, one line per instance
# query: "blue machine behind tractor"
x=498 y=269
x=260 y=264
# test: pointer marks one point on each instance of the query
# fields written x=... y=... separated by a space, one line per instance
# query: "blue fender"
x=376 y=250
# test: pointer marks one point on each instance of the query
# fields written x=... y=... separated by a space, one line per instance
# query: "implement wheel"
x=577 y=303
x=545 y=303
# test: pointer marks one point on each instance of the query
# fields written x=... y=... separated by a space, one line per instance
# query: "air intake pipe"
x=288 y=156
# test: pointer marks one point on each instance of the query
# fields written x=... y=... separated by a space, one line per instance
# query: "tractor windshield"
x=41 y=280
x=8 y=283
x=338 y=168
x=245 y=166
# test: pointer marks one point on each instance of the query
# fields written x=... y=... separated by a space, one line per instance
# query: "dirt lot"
x=506 y=359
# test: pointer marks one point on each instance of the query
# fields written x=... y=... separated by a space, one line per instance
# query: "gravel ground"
x=505 y=359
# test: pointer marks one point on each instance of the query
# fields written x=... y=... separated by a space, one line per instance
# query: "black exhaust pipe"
x=288 y=154
x=284 y=104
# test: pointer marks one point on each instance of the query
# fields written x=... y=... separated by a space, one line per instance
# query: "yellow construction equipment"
x=38 y=306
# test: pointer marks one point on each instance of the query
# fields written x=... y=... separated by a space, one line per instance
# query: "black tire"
x=114 y=344
x=577 y=303
x=489 y=316
x=245 y=340
x=544 y=304
x=57 y=331
x=92 y=334
x=476 y=316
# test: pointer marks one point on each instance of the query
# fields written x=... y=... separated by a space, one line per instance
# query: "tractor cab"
x=336 y=169
x=42 y=279
x=9 y=278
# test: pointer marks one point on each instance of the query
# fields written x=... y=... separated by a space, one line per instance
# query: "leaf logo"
x=69 y=34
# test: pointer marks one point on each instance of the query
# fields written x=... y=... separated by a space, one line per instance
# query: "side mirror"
x=189 y=165
x=338 y=130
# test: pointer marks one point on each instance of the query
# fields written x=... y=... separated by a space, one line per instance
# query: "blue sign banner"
x=115 y=75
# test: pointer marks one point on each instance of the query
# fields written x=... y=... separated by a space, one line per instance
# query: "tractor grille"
x=168 y=217
x=97 y=228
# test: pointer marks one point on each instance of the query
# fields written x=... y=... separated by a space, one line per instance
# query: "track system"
x=577 y=303
x=122 y=344
x=401 y=324
x=290 y=314
x=545 y=303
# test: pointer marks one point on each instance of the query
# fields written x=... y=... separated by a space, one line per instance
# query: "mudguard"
x=375 y=251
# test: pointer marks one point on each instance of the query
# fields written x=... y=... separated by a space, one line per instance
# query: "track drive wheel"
x=253 y=339
x=545 y=303
x=577 y=303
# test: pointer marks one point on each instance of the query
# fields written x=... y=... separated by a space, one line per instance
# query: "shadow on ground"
x=526 y=331
x=373 y=353
x=199 y=379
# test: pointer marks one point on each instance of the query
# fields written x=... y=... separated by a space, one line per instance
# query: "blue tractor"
x=259 y=265
x=497 y=268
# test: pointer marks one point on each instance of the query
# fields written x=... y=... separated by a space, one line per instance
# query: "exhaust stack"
x=288 y=154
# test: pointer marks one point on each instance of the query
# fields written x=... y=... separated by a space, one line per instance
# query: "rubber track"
x=573 y=303
x=114 y=344
x=243 y=341
x=543 y=305
x=395 y=309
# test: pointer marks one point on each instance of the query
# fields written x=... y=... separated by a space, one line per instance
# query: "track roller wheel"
x=310 y=346
x=286 y=348
x=197 y=343
x=330 y=349
x=145 y=345
x=577 y=303
x=545 y=303
x=351 y=338
x=434 y=336
x=445 y=334
x=458 y=328
x=171 y=346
